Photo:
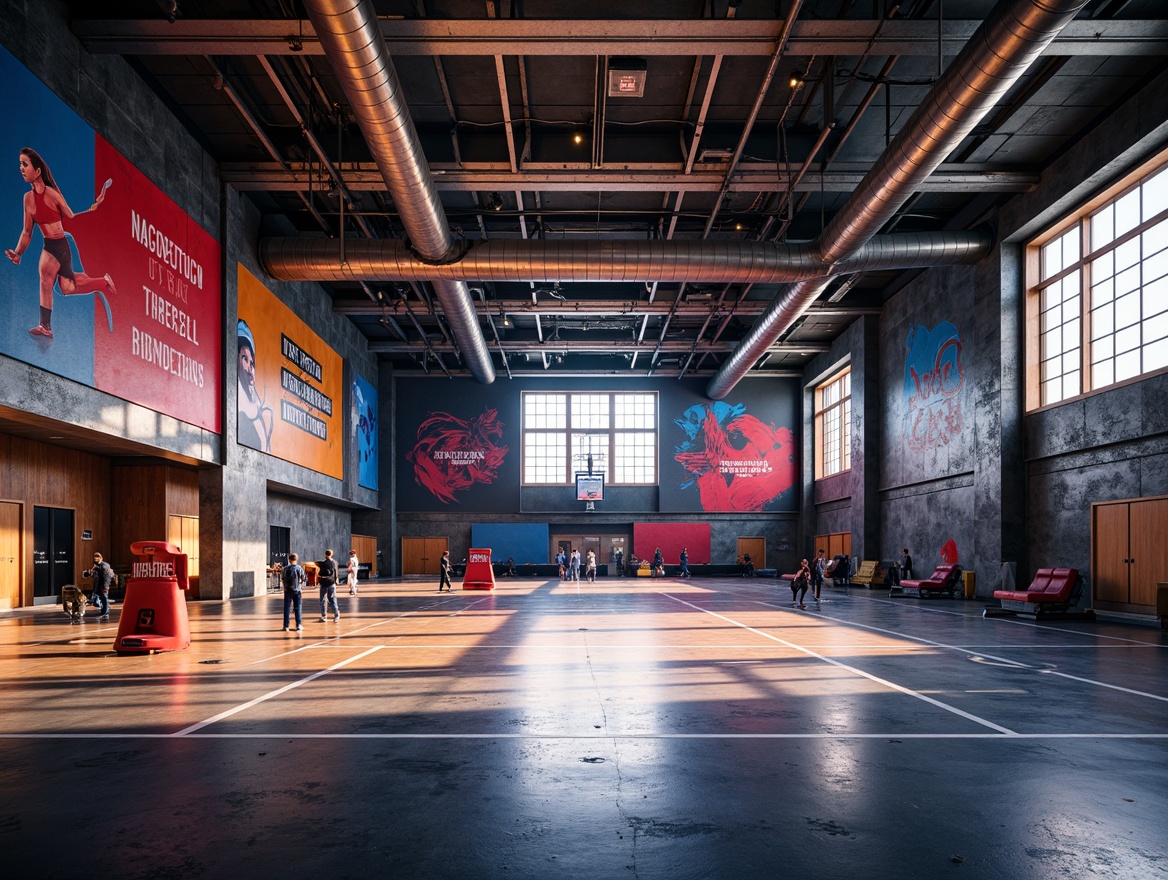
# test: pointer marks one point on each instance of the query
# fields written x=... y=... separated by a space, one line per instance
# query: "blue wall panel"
x=527 y=542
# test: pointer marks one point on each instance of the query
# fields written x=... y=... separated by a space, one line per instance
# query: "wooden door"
x=1109 y=553
x=756 y=547
x=10 y=558
x=421 y=555
x=1148 y=549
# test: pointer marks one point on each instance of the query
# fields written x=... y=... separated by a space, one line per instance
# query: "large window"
x=833 y=425
x=563 y=431
x=1097 y=306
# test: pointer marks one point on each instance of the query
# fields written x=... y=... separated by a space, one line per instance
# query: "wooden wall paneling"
x=756 y=547
x=182 y=491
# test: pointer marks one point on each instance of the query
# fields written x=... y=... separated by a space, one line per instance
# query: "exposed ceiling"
x=753 y=126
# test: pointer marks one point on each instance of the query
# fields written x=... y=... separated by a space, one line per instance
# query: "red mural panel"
x=671 y=537
x=164 y=340
x=452 y=454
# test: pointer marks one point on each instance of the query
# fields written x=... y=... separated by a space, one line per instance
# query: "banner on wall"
x=364 y=422
x=125 y=294
x=289 y=384
x=459 y=448
x=736 y=455
x=934 y=378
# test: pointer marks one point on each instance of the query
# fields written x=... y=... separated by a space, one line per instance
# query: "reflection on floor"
x=627 y=728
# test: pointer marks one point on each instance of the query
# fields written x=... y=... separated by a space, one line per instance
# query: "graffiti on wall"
x=734 y=460
x=933 y=380
x=453 y=454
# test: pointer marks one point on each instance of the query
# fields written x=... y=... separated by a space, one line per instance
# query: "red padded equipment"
x=943 y=580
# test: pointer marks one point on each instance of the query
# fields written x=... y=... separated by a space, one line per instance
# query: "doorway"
x=279 y=545
x=422 y=555
x=756 y=547
x=10 y=557
x=608 y=547
x=52 y=553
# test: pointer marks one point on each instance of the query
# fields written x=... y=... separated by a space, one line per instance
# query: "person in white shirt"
x=351 y=572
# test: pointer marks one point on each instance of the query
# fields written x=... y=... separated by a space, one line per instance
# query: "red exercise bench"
x=1052 y=593
x=944 y=579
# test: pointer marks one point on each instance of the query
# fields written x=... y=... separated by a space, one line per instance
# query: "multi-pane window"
x=564 y=432
x=833 y=425
x=1099 y=295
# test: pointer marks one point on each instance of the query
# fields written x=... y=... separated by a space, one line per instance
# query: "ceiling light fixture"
x=495 y=202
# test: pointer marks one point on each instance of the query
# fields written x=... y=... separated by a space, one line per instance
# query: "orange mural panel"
x=290 y=384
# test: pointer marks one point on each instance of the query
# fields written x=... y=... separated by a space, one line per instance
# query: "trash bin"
x=969 y=580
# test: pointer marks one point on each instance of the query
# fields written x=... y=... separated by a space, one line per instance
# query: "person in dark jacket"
x=444 y=573
x=103 y=577
x=327 y=581
x=294 y=580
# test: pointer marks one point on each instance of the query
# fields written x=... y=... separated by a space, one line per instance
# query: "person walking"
x=103 y=578
x=574 y=567
x=800 y=583
x=684 y=563
x=817 y=573
x=590 y=568
x=294 y=580
x=444 y=573
x=327 y=580
x=351 y=572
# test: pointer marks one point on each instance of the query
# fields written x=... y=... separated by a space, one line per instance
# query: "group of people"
x=570 y=565
x=295 y=579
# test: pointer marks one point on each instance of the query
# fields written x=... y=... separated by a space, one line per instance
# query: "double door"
x=422 y=555
x=1129 y=554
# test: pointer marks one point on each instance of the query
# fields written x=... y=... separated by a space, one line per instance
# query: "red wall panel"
x=671 y=537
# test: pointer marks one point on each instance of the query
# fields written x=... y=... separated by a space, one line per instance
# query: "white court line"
x=335 y=640
x=852 y=669
x=1003 y=660
x=240 y=708
x=605 y=737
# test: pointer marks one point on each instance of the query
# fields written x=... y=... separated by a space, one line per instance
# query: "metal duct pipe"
x=351 y=37
x=1013 y=35
x=699 y=262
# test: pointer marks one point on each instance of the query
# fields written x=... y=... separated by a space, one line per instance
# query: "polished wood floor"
x=627 y=728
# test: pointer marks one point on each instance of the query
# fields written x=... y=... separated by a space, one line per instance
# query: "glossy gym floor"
x=622 y=729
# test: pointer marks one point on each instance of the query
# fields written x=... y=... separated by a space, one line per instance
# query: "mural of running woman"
x=46 y=206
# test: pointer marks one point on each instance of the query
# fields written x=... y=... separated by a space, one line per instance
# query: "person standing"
x=294 y=580
x=351 y=572
x=684 y=563
x=905 y=564
x=658 y=563
x=817 y=573
x=574 y=567
x=327 y=579
x=444 y=573
x=103 y=577
x=562 y=562
x=590 y=569
x=620 y=563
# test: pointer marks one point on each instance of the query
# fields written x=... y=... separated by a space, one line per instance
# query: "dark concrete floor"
x=626 y=729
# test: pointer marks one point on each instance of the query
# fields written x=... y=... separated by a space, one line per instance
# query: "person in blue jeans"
x=327 y=581
x=684 y=563
x=294 y=580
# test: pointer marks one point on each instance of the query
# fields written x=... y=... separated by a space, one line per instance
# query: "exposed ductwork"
x=351 y=37
x=695 y=262
x=1013 y=35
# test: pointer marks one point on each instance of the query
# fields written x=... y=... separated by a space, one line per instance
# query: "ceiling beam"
x=741 y=37
x=616 y=308
x=750 y=177
x=603 y=346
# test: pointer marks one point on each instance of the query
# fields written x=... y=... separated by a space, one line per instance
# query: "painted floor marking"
x=988 y=656
x=270 y=694
x=852 y=669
